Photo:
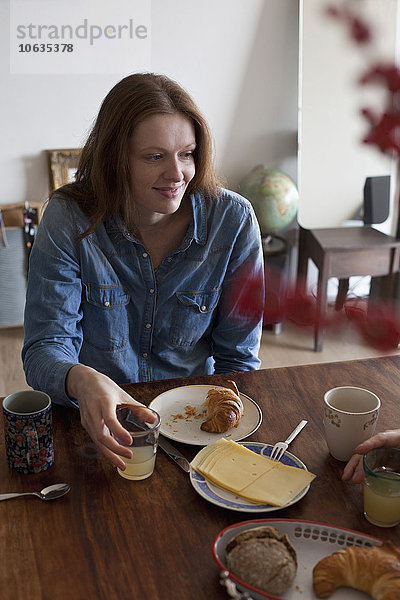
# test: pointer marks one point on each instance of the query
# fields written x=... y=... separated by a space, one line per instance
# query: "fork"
x=280 y=447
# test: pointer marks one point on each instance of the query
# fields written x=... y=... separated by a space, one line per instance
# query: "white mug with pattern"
x=350 y=416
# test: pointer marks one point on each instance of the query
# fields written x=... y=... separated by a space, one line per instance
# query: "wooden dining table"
x=111 y=538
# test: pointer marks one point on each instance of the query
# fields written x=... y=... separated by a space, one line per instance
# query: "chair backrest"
x=376 y=199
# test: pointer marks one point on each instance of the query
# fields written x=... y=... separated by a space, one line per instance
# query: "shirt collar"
x=197 y=229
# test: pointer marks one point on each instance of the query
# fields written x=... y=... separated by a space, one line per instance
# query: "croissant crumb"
x=224 y=409
x=375 y=571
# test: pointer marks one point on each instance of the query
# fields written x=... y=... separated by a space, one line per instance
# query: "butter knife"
x=174 y=453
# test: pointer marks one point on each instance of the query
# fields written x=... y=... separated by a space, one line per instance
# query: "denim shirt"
x=99 y=302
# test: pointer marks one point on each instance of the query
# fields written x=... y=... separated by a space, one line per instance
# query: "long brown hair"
x=102 y=181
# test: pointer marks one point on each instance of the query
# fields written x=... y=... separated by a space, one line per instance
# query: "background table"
x=110 y=538
x=344 y=252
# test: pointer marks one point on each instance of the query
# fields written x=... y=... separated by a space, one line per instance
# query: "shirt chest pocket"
x=192 y=316
x=105 y=319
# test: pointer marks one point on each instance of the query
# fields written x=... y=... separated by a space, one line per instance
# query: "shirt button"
x=203 y=308
x=151 y=291
x=148 y=325
x=145 y=255
x=106 y=303
x=145 y=355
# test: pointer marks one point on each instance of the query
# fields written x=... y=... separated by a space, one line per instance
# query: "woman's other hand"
x=354 y=468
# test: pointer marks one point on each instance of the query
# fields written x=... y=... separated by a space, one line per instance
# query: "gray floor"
x=294 y=346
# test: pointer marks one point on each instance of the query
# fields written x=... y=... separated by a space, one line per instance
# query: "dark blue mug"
x=28 y=431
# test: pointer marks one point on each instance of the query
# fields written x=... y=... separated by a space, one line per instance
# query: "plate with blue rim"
x=221 y=497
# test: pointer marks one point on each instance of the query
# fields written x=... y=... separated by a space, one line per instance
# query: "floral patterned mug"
x=350 y=416
x=28 y=431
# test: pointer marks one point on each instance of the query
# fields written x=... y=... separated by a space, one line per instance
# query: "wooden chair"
x=344 y=252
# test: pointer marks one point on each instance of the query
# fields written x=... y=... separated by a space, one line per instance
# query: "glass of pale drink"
x=382 y=486
x=144 y=443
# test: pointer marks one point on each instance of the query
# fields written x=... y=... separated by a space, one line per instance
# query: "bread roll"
x=262 y=558
x=224 y=409
x=375 y=571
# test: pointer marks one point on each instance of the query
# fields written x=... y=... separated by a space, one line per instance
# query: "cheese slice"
x=236 y=467
x=278 y=486
x=250 y=475
x=214 y=455
x=207 y=451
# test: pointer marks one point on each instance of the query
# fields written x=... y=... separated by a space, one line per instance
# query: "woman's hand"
x=354 y=468
x=98 y=398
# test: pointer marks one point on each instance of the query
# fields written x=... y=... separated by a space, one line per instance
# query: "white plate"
x=226 y=499
x=187 y=430
x=311 y=541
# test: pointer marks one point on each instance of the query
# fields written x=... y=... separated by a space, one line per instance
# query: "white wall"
x=238 y=58
x=333 y=162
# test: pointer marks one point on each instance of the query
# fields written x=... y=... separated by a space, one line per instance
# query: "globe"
x=274 y=197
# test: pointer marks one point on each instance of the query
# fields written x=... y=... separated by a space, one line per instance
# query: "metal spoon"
x=48 y=493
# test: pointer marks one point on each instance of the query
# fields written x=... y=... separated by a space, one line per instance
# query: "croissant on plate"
x=224 y=409
x=375 y=571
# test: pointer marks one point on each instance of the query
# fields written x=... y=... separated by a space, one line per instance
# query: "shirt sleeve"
x=53 y=335
x=237 y=333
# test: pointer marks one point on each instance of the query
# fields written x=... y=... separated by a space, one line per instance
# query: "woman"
x=133 y=273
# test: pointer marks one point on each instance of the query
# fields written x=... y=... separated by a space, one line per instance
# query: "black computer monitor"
x=376 y=199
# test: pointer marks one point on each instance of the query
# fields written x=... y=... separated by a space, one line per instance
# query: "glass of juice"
x=382 y=486
x=144 y=443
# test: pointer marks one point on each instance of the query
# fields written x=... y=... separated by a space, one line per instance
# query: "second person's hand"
x=354 y=468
